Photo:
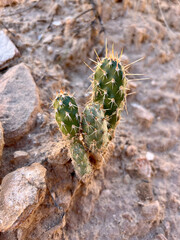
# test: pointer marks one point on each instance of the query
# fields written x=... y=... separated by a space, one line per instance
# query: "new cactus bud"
x=66 y=114
x=80 y=159
x=94 y=127
x=109 y=89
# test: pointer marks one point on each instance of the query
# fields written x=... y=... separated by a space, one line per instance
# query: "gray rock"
x=1 y=140
x=19 y=102
x=8 y=51
x=22 y=191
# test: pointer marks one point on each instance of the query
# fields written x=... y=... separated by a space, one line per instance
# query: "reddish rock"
x=19 y=102
x=22 y=191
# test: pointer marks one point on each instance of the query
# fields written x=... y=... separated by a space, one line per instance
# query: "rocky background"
x=136 y=193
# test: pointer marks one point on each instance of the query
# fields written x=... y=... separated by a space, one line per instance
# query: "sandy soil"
x=136 y=194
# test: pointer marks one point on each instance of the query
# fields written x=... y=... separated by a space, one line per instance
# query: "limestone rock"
x=8 y=51
x=22 y=191
x=1 y=140
x=19 y=102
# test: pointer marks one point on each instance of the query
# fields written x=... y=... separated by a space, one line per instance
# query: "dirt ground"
x=136 y=193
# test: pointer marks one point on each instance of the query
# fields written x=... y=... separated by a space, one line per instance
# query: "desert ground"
x=135 y=194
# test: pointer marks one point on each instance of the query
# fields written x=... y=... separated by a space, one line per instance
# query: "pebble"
x=143 y=167
x=4 y=3
x=22 y=191
x=149 y=156
x=1 y=140
x=8 y=50
x=19 y=102
x=151 y=211
x=20 y=156
x=131 y=151
x=143 y=116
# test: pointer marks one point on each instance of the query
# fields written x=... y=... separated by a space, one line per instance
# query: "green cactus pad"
x=66 y=114
x=80 y=159
x=94 y=127
x=109 y=89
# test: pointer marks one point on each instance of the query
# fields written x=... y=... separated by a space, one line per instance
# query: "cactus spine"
x=90 y=136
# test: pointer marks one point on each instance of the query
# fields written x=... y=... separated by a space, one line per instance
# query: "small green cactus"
x=109 y=89
x=80 y=159
x=66 y=114
x=94 y=127
x=88 y=138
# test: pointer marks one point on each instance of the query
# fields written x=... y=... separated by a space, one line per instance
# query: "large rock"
x=22 y=191
x=1 y=140
x=8 y=51
x=19 y=102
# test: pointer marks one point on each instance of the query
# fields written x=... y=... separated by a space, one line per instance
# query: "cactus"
x=109 y=89
x=66 y=114
x=88 y=139
x=80 y=159
x=94 y=127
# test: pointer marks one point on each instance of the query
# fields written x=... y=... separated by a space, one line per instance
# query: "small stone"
x=57 y=23
x=59 y=41
x=8 y=51
x=59 y=154
x=151 y=211
x=47 y=39
x=143 y=116
x=144 y=191
x=1 y=140
x=20 y=156
x=131 y=151
x=149 y=156
x=143 y=167
x=19 y=102
x=22 y=191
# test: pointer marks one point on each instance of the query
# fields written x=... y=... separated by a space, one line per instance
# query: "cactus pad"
x=94 y=127
x=66 y=114
x=80 y=159
x=109 y=89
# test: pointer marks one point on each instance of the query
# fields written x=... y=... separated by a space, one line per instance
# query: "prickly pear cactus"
x=80 y=159
x=109 y=89
x=94 y=127
x=66 y=114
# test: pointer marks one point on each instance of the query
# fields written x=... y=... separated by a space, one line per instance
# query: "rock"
x=1 y=140
x=20 y=156
x=22 y=191
x=4 y=3
x=144 y=191
x=144 y=116
x=59 y=154
x=143 y=167
x=8 y=51
x=131 y=151
x=152 y=212
x=19 y=102
x=149 y=156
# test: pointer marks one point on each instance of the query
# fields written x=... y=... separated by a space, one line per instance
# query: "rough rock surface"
x=1 y=140
x=19 y=102
x=8 y=51
x=22 y=191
